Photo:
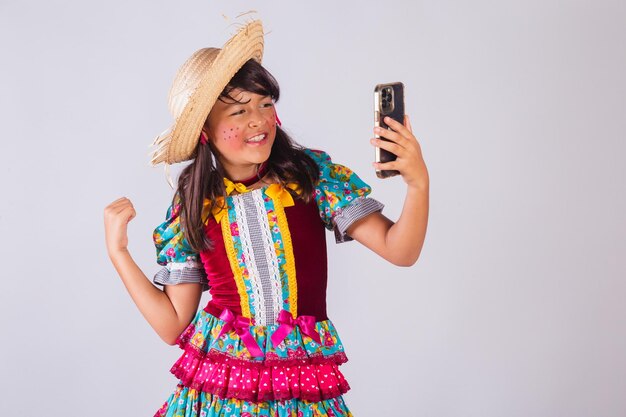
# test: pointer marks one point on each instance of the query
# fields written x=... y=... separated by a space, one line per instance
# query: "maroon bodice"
x=308 y=237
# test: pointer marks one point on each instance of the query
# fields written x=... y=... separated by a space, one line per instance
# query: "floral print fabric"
x=188 y=402
x=338 y=187
x=202 y=336
x=181 y=263
x=169 y=239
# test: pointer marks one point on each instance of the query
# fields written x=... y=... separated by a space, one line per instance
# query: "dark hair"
x=203 y=178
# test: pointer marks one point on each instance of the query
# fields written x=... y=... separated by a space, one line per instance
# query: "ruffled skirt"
x=219 y=377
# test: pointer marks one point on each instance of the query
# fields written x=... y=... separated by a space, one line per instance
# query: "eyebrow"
x=231 y=101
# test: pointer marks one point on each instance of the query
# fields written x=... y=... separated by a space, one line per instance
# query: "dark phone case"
x=397 y=113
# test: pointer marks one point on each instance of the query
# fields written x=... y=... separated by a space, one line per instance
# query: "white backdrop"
x=515 y=307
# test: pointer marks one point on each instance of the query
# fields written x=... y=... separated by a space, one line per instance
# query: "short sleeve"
x=341 y=196
x=180 y=263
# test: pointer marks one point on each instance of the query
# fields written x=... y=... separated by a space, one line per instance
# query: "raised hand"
x=116 y=218
x=404 y=144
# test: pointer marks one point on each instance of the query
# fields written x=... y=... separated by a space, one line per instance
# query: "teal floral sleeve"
x=169 y=240
x=180 y=263
x=341 y=196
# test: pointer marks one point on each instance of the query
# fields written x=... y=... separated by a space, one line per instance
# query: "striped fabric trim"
x=359 y=208
x=176 y=273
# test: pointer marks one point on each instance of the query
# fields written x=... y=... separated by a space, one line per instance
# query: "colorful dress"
x=263 y=345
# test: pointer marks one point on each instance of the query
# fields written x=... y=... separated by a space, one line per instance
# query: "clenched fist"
x=116 y=218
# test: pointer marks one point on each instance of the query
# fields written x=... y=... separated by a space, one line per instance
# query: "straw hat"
x=197 y=86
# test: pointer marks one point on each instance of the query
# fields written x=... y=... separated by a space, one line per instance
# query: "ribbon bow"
x=219 y=210
x=274 y=191
x=278 y=192
x=241 y=325
x=230 y=186
x=288 y=323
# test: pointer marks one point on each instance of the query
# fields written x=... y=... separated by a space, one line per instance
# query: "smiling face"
x=242 y=130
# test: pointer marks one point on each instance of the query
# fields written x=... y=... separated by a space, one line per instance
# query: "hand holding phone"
x=388 y=101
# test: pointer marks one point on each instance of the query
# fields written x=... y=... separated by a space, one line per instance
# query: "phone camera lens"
x=386 y=100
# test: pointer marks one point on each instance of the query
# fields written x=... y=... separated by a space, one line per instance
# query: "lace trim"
x=356 y=210
x=257 y=299
x=271 y=258
x=189 y=263
x=290 y=264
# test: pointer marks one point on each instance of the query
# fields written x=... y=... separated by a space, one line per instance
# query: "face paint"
x=229 y=134
x=242 y=132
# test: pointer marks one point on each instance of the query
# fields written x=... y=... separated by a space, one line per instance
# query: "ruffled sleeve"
x=341 y=196
x=180 y=263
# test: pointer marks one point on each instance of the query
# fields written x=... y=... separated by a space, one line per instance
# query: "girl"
x=247 y=222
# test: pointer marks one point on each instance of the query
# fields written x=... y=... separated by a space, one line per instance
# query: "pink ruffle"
x=298 y=359
x=298 y=368
x=232 y=379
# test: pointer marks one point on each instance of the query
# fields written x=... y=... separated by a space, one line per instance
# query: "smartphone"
x=388 y=101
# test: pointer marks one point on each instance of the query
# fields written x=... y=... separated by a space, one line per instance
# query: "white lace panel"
x=256 y=298
x=271 y=258
x=260 y=256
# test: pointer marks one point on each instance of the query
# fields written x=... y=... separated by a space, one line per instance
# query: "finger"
x=120 y=210
x=126 y=206
x=119 y=202
x=407 y=123
x=122 y=207
x=397 y=126
x=388 y=146
x=125 y=216
x=389 y=134
x=386 y=166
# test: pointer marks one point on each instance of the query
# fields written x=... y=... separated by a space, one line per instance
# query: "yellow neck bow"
x=231 y=186
x=276 y=192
